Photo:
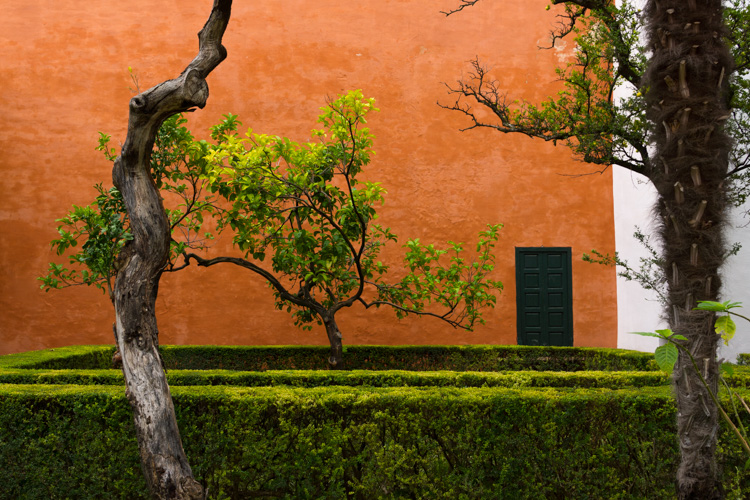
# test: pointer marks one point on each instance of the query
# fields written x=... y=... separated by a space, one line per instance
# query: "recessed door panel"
x=545 y=298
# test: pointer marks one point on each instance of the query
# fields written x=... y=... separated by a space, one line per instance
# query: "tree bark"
x=142 y=261
x=336 y=359
x=688 y=104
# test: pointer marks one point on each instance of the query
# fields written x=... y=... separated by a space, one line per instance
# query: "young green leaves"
x=102 y=228
x=665 y=355
x=304 y=208
x=724 y=325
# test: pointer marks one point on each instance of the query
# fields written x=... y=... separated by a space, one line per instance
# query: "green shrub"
x=322 y=378
x=307 y=434
x=336 y=442
x=743 y=359
x=419 y=358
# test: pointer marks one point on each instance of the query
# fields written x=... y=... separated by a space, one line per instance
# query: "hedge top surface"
x=318 y=378
x=32 y=359
x=384 y=366
x=41 y=392
x=419 y=358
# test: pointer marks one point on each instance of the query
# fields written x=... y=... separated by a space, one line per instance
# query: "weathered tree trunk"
x=336 y=359
x=141 y=262
x=688 y=104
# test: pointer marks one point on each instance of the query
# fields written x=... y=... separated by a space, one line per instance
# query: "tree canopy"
x=301 y=217
x=304 y=208
x=93 y=235
x=600 y=110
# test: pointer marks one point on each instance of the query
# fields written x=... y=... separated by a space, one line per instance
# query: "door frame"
x=568 y=286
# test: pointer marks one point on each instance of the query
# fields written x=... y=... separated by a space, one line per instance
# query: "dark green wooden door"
x=544 y=296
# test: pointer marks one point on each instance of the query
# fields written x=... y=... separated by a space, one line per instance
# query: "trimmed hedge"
x=332 y=443
x=312 y=378
x=308 y=434
x=413 y=358
x=743 y=359
x=92 y=357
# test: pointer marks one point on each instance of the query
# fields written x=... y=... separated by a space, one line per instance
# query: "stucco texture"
x=64 y=78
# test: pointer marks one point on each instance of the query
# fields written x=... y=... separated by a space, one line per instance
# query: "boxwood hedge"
x=68 y=433
x=414 y=358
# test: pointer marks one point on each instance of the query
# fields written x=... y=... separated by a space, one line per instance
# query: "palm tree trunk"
x=688 y=103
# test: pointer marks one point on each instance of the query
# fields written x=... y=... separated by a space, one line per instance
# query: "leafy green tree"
x=92 y=236
x=306 y=223
x=683 y=100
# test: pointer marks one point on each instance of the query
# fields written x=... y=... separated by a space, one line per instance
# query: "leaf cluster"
x=599 y=112
x=306 y=222
x=301 y=206
x=444 y=277
x=93 y=235
x=101 y=230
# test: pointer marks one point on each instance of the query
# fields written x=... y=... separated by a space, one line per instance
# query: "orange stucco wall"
x=64 y=78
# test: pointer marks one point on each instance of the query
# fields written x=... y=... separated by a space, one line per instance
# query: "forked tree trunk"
x=141 y=262
x=336 y=359
x=688 y=104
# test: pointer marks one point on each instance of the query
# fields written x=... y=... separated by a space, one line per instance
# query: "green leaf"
x=647 y=334
x=709 y=305
x=666 y=357
x=727 y=368
x=725 y=327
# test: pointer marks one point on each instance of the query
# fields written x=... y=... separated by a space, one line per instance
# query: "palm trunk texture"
x=142 y=261
x=688 y=105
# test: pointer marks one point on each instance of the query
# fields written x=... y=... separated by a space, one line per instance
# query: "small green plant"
x=666 y=356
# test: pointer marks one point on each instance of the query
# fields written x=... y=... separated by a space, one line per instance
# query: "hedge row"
x=333 y=443
x=318 y=378
x=416 y=358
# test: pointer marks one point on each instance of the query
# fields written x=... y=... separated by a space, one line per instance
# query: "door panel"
x=544 y=296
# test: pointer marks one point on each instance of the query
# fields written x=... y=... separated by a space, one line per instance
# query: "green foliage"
x=355 y=378
x=451 y=435
x=285 y=203
x=584 y=115
x=102 y=228
x=737 y=17
x=448 y=284
x=338 y=442
x=102 y=231
x=304 y=208
x=600 y=111
x=361 y=357
x=724 y=325
x=666 y=354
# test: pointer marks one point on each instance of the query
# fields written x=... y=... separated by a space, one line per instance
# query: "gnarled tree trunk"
x=688 y=103
x=141 y=262
x=336 y=359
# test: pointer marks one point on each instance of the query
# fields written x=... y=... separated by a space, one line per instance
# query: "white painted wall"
x=638 y=309
x=736 y=283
